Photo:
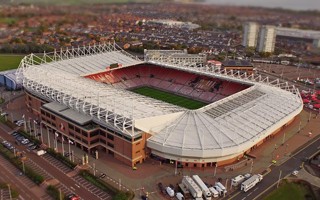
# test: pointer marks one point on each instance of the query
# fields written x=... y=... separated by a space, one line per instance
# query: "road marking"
x=243 y=198
x=249 y=194
x=255 y=189
x=72 y=188
x=77 y=185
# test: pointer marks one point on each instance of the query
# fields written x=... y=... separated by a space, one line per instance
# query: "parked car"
x=73 y=197
x=295 y=172
x=102 y=175
x=25 y=141
x=14 y=134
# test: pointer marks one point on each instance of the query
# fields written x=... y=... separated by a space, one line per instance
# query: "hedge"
x=61 y=158
x=54 y=192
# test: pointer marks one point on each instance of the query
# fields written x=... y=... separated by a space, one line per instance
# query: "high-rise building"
x=250 y=34
x=316 y=43
x=267 y=39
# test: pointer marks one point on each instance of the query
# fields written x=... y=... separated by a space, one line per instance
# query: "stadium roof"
x=226 y=125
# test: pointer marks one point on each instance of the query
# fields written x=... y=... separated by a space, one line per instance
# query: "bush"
x=54 y=192
x=61 y=158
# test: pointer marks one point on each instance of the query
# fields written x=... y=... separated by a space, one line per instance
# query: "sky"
x=287 y=4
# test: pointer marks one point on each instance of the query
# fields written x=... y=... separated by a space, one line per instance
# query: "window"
x=71 y=126
x=77 y=129
x=94 y=133
x=137 y=152
x=53 y=117
x=94 y=141
x=102 y=141
x=42 y=112
x=110 y=145
x=137 y=143
x=110 y=137
x=85 y=134
x=102 y=133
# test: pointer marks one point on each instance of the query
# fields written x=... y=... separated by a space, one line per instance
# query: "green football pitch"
x=169 y=97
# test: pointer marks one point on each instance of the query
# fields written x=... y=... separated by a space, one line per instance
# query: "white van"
x=179 y=196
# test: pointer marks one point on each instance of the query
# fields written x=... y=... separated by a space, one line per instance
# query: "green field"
x=289 y=191
x=9 y=61
x=169 y=97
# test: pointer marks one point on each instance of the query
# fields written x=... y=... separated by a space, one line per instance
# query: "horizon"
x=285 y=4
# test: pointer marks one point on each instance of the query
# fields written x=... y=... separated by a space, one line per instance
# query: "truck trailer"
x=205 y=190
x=224 y=190
x=251 y=182
x=194 y=189
x=237 y=180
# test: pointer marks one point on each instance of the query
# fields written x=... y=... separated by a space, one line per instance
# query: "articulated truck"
x=251 y=182
x=194 y=189
x=205 y=191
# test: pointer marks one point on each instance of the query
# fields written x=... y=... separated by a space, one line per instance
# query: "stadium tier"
x=111 y=102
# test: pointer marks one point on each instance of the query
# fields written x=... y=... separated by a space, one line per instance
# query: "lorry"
x=251 y=182
x=237 y=180
x=205 y=191
x=224 y=190
x=194 y=189
x=214 y=192
x=41 y=152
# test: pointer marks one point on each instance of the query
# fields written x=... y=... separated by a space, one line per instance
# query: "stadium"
x=105 y=100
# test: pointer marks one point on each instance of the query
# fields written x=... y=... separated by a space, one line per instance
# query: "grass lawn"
x=169 y=97
x=289 y=191
x=9 y=61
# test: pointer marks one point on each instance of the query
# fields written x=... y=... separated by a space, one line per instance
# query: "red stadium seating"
x=203 y=88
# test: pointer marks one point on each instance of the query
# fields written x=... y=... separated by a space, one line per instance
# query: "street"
x=287 y=168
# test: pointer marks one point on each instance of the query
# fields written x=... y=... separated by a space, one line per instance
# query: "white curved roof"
x=223 y=128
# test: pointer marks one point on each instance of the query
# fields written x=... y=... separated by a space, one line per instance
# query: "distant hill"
x=76 y=2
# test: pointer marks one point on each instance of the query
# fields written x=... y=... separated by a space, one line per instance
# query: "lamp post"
x=48 y=130
x=9 y=192
x=215 y=170
x=279 y=178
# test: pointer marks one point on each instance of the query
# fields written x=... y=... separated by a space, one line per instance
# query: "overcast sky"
x=288 y=4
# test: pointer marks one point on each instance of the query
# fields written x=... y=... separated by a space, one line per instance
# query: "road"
x=67 y=181
x=287 y=168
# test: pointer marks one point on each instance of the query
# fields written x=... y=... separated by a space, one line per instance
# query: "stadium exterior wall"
x=94 y=138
